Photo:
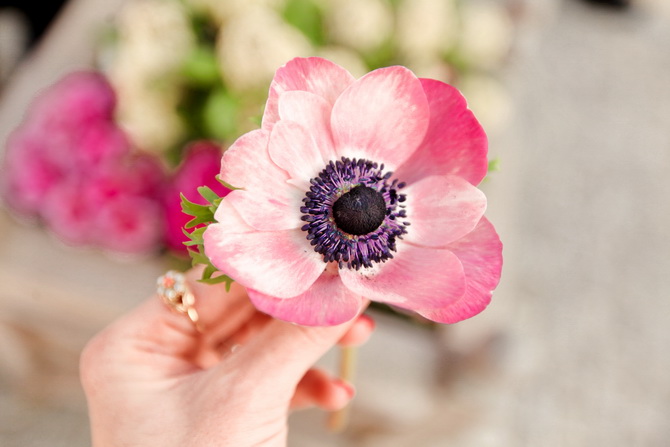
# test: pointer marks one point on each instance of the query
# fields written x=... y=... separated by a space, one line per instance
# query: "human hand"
x=151 y=379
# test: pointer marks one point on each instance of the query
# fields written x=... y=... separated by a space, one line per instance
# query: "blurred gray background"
x=575 y=348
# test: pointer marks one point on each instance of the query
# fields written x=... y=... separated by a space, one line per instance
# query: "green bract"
x=203 y=215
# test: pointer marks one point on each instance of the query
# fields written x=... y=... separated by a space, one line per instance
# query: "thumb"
x=284 y=351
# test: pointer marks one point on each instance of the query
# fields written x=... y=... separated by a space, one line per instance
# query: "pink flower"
x=124 y=195
x=199 y=167
x=115 y=208
x=28 y=173
x=130 y=224
x=68 y=132
x=69 y=217
x=356 y=190
x=100 y=143
x=76 y=117
x=140 y=174
x=71 y=165
x=76 y=101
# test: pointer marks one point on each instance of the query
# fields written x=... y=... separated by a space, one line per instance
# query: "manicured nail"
x=346 y=386
x=368 y=320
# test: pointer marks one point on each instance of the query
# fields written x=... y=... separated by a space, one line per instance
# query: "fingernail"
x=367 y=319
x=346 y=386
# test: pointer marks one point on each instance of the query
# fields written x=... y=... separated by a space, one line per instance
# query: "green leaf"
x=198 y=258
x=209 y=271
x=196 y=236
x=218 y=280
x=193 y=209
x=203 y=216
x=208 y=194
x=198 y=221
x=201 y=212
x=227 y=185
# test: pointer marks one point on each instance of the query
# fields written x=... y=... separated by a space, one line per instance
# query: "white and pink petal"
x=293 y=149
x=247 y=163
x=442 y=209
x=326 y=303
x=267 y=210
x=276 y=263
x=313 y=74
x=313 y=113
x=382 y=117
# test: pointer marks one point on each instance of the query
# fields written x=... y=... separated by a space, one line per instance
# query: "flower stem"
x=337 y=420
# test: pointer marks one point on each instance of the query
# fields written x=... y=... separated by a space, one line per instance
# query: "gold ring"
x=172 y=289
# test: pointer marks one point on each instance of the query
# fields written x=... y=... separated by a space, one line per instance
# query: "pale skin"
x=152 y=379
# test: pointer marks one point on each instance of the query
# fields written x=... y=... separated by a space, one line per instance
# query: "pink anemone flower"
x=356 y=190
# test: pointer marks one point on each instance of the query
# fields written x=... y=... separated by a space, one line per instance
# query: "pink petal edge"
x=416 y=278
x=267 y=201
x=326 y=303
x=442 y=209
x=247 y=164
x=455 y=142
x=480 y=252
x=313 y=74
x=277 y=263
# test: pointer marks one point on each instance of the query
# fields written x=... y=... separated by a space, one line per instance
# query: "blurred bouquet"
x=70 y=166
x=102 y=156
x=201 y=68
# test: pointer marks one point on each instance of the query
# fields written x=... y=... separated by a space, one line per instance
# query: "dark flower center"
x=360 y=211
x=354 y=213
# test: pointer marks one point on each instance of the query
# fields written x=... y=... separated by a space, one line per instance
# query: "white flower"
x=149 y=116
x=360 y=24
x=488 y=99
x=222 y=10
x=426 y=28
x=254 y=43
x=487 y=33
x=155 y=37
